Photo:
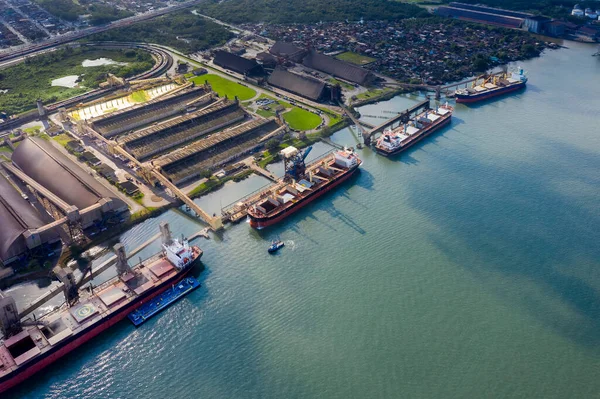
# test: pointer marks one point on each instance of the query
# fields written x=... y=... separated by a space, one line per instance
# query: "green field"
x=344 y=85
x=139 y=96
x=32 y=131
x=297 y=118
x=300 y=119
x=355 y=58
x=226 y=87
x=63 y=139
x=372 y=93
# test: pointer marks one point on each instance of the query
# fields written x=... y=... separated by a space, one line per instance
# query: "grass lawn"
x=5 y=149
x=372 y=93
x=268 y=158
x=62 y=139
x=355 y=58
x=33 y=130
x=265 y=114
x=139 y=96
x=226 y=87
x=343 y=84
x=297 y=118
x=300 y=119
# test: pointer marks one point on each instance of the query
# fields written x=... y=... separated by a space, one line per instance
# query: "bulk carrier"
x=492 y=86
x=394 y=141
x=302 y=184
x=31 y=345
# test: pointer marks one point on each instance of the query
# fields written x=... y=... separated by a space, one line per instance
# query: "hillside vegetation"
x=308 y=11
x=182 y=31
x=71 y=10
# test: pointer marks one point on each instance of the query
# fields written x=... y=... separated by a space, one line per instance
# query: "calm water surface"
x=468 y=267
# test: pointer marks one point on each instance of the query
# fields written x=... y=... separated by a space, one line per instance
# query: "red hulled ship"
x=31 y=345
x=492 y=86
x=302 y=184
x=394 y=141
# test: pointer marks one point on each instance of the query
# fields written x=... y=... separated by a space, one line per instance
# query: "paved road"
x=32 y=49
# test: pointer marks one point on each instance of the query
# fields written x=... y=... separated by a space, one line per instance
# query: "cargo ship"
x=394 y=141
x=492 y=86
x=301 y=184
x=31 y=345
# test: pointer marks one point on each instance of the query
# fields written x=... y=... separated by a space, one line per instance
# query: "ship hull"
x=23 y=374
x=473 y=98
x=431 y=130
x=260 y=223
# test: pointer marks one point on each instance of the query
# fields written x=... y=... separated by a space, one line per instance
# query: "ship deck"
x=56 y=327
x=407 y=134
x=284 y=195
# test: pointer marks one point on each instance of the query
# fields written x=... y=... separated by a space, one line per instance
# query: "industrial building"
x=75 y=193
x=491 y=10
x=237 y=64
x=482 y=14
x=288 y=51
x=161 y=138
x=337 y=68
x=304 y=86
x=22 y=226
x=213 y=151
x=127 y=119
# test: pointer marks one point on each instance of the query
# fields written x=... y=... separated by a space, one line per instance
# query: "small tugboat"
x=275 y=246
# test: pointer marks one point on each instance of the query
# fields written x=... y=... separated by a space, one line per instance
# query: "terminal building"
x=115 y=123
x=213 y=151
x=163 y=137
x=238 y=64
x=338 y=68
x=22 y=226
x=304 y=86
x=288 y=51
x=77 y=195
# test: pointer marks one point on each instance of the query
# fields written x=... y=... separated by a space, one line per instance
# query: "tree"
x=272 y=145
x=480 y=63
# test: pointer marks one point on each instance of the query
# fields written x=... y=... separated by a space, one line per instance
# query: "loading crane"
x=294 y=164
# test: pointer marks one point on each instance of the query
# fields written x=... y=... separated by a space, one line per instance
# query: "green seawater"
x=467 y=267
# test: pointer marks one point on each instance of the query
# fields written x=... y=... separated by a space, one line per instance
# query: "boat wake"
x=290 y=244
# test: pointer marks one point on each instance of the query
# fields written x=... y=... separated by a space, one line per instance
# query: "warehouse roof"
x=491 y=10
x=286 y=50
x=45 y=164
x=301 y=85
x=235 y=62
x=335 y=67
x=477 y=16
x=16 y=217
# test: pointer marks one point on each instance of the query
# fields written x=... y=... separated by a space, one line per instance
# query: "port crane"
x=294 y=165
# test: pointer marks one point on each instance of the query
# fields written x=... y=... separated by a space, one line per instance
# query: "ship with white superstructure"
x=394 y=141
x=30 y=345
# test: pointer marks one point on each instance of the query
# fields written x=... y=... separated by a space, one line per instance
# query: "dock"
x=261 y=171
x=59 y=288
x=402 y=117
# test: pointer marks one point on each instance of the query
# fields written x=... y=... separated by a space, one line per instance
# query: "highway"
x=7 y=57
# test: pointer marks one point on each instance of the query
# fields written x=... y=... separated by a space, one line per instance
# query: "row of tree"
x=309 y=11
x=70 y=10
x=182 y=30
